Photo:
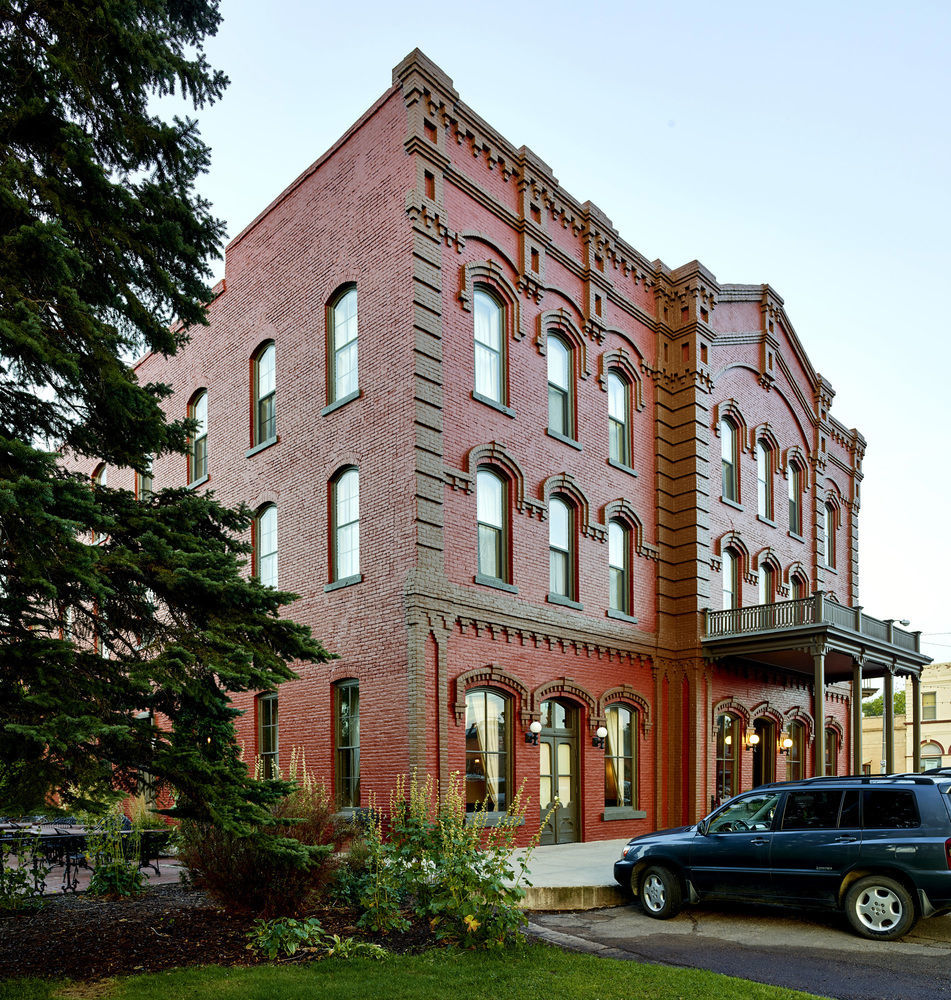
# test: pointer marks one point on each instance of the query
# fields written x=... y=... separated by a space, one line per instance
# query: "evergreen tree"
x=123 y=621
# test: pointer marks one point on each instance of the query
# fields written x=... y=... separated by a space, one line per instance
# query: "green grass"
x=533 y=971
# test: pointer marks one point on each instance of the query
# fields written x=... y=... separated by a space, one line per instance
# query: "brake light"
x=947 y=851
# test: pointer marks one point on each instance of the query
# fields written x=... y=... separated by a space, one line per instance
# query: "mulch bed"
x=84 y=937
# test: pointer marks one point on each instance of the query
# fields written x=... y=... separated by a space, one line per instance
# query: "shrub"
x=287 y=936
x=244 y=872
x=114 y=857
x=23 y=871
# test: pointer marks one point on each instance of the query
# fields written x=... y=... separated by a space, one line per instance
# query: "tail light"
x=947 y=851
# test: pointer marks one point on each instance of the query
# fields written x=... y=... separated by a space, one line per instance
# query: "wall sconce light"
x=531 y=737
x=597 y=741
x=752 y=739
x=785 y=743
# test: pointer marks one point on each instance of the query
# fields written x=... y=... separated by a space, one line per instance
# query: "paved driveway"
x=814 y=952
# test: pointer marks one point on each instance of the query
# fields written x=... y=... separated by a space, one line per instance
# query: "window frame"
x=262 y=534
x=338 y=528
x=482 y=295
x=567 y=552
x=145 y=481
x=830 y=765
x=764 y=479
x=796 y=763
x=622 y=573
x=729 y=461
x=633 y=799
x=727 y=752
x=829 y=530
x=794 y=474
x=505 y=754
x=620 y=437
x=338 y=391
x=500 y=531
x=264 y=404
x=566 y=393
x=268 y=723
x=347 y=755
x=198 y=443
x=929 y=711
x=731 y=574
x=766 y=584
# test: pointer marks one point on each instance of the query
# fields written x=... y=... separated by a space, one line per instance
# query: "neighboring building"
x=480 y=431
x=934 y=739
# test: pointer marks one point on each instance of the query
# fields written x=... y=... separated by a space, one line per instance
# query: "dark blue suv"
x=878 y=847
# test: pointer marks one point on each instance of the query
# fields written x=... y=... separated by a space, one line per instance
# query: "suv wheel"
x=660 y=893
x=880 y=908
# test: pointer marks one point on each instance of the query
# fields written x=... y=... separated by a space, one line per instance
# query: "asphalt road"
x=814 y=951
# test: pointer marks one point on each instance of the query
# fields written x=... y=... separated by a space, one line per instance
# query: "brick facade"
x=419 y=206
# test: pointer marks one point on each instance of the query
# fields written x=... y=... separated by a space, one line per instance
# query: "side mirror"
x=702 y=828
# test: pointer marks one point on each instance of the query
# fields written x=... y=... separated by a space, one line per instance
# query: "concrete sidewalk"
x=574 y=876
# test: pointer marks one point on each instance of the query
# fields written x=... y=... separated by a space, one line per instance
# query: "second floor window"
x=827 y=522
x=144 y=480
x=489 y=373
x=490 y=514
x=265 y=384
x=795 y=499
x=620 y=569
x=560 y=415
x=343 y=346
x=929 y=706
x=265 y=546
x=730 y=467
x=561 y=548
x=764 y=480
x=198 y=448
x=619 y=420
x=767 y=584
x=346 y=525
x=731 y=580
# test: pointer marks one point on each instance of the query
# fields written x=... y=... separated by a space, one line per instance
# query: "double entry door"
x=558 y=773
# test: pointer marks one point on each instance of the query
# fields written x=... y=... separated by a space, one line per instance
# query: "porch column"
x=857 y=715
x=915 y=720
x=819 y=708
x=888 y=720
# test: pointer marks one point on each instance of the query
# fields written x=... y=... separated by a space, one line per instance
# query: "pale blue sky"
x=801 y=144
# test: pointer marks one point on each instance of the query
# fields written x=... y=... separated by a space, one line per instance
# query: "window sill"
x=829 y=569
x=494 y=403
x=337 y=403
x=494 y=581
x=564 y=439
x=622 y=812
x=620 y=616
x=487 y=819
x=766 y=520
x=260 y=447
x=795 y=535
x=731 y=503
x=195 y=483
x=565 y=602
x=347 y=581
x=615 y=464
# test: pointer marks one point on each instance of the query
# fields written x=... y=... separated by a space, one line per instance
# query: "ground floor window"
x=347 y=713
x=487 y=750
x=832 y=751
x=796 y=753
x=267 y=735
x=620 y=757
x=728 y=756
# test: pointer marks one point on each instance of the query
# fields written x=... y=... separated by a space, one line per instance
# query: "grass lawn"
x=534 y=971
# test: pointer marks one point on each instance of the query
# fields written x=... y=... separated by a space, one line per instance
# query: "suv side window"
x=812 y=810
x=889 y=809
x=752 y=812
x=850 y=809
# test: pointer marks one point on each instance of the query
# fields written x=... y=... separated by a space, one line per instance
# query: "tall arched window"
x=832 y=751
x=620 y=757
x=265 y=385
x=828 y=512
x=731 y=579
x=489 y=359
x=794 y=477
x=144 y=480
x=729 y=441
x=796 y=754
x=265 y=545
x=343 y=378
x=619 y=559
x=267 y=735
x=561 y=549
x=764 y=480
x=488 y=749
x=198 y=446
x=100 y=477
x=767 y=584
x=728 y=756
x=560 y=403
x=347 y=743
x=619 y=419
x=346 y=525
x=491 y=515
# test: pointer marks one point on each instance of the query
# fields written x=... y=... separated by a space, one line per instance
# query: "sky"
x=804 y=145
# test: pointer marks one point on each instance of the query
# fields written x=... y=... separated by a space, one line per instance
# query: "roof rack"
x=925 y=778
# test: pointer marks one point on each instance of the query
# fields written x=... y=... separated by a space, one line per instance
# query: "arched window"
x=264 y=386
x=620 y=757
x=729 y=448
x=342 y=341
x=794 y=477
x=930 y=755
x=267 y=735
x=731 y=579
x=767 y=584
x=832 y=751
x=491 y=515
x=727 y=780
x=560 y=401
x=144 y=480
x=265 y=546
x=619 y=560
x=347 y=743
x=619 y=419
x=764 y=480
x=488 y=749
x=489 y=340
x=198 y=445
x=828 y=517
x=345 y=503
x=100 y=477
x=561 y=549
x=796 y=754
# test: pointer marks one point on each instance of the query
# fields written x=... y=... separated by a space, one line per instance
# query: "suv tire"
x=659 y=893
x=880 y=908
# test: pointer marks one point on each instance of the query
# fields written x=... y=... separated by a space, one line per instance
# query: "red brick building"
x=519 y=473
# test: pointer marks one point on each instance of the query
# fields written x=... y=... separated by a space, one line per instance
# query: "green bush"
x=114 y=857
x=23 y=871
x=287 y=936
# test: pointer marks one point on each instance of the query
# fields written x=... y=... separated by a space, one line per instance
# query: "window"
x=490 y=515
x=619 y=419
x=619 y=559
x=560 y=410
x=795 y=498
x=620 y=758
x=143 y=480
x=827 y=523
x=752 y=812
x=561 y=548
x=767 y=584
x=728 y=756
x=815 y=809
x=265 y=417
x=929 y=706
x=889 y=809
x=800 y=589
x=930 y=756
x=346 y=525
x=265 y=546
x=347 y=715
x=198 y=446
x=489 y=326
x=832 y=752
x=487 y=750
x=267 y=735
x=343 y=346
x=764 y=480
x=728 y=449
x=796 y=753
x=731 y=579
x=100 y=477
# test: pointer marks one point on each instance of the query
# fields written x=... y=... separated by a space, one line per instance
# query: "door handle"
x=759 y=841
x=846 y=840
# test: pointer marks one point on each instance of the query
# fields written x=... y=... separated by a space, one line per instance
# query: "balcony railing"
x=814 y=610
